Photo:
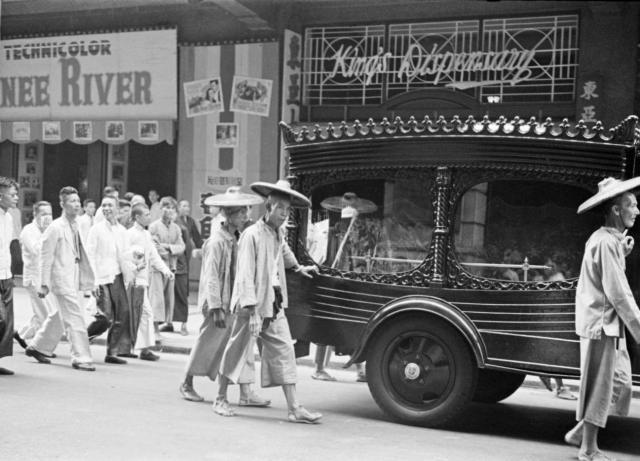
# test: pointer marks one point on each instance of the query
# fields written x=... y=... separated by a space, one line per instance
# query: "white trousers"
x=41 y=310
x=69 y=317
x=146 y=334
x=161 y=296
x=89 y=306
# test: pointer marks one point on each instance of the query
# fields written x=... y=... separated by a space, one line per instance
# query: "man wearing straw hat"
x=604 y=306
x=217 y=275
x=260 y=296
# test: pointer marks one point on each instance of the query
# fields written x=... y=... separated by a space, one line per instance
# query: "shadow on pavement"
x=515 y=421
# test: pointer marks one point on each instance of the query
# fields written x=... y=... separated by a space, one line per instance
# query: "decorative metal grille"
x=427 y=44
x=553 y=67
x=496 y=60
x=321 y=85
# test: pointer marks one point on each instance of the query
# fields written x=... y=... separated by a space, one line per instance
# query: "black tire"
x=494 y=385
x=421 y=371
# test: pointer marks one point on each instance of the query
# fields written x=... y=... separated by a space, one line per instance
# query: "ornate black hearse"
x=448 y=251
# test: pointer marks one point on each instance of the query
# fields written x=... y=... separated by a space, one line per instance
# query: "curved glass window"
x=522 y=230
x=376 y=226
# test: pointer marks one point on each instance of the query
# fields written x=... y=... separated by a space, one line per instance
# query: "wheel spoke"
x=436 y=380
x=437 y=355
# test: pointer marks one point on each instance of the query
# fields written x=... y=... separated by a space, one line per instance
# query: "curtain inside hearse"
x=500 y=225
x=377 y=226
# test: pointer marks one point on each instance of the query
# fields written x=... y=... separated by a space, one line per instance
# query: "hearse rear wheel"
x=495 y=385
x=421 y=371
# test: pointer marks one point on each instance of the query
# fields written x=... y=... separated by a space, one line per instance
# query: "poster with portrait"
x=114 y=131
x=31 y=168
x=203 y=96
x=82 y=131
x=251 y=95
x=226 y=135
x=148 y=130
x=21 y=131
x=51 y=131
x=31 y=152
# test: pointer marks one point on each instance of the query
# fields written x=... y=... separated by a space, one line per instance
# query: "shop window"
x=522 y=230
x=374 y=226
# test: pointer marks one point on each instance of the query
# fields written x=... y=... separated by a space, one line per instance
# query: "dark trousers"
x=113 y=306
x=6 y=317
x=181 y=306
x=136 y=299
x=16 y=257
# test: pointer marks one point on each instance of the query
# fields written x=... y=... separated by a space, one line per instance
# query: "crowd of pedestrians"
x=122 y=268
x=93 y=270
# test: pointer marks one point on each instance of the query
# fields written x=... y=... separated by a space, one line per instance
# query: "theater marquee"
x=124 y=76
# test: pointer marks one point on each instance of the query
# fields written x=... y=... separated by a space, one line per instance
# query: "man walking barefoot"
x=604 y=306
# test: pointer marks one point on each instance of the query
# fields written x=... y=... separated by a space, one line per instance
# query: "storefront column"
x=96 y=170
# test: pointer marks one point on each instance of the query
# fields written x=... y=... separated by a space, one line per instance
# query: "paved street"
x=135 y=412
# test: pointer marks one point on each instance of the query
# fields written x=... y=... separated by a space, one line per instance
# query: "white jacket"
x=61 y=268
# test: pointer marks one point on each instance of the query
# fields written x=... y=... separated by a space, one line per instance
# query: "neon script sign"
x=512 y=64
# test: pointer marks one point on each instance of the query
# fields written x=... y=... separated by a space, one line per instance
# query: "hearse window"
x=376 y=226
x=522 y=230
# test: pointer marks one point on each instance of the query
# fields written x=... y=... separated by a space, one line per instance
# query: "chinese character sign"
x=589 y=94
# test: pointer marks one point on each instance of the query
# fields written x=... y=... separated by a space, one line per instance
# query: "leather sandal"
x=188 y=393
x=595 y=456
x=322 y=375
x=221 y=407
x=301 y=415
x=565 y=394
x=254 y=400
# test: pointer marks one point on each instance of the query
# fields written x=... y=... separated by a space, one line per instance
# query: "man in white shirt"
x=85 y=222
x=64 y=271
x=8 y=200
x=108 y=191
x=107 y=247
x=31 y=243
x=140 y=241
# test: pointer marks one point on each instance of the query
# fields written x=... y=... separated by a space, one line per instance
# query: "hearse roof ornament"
x=623 y=133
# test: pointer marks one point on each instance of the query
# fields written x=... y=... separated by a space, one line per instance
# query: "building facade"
x=298 y=61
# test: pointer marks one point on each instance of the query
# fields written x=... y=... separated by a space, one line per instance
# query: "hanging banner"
x=122 y=76
x=291 y=89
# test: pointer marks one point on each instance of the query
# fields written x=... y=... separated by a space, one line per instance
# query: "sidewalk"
x=175 y=343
